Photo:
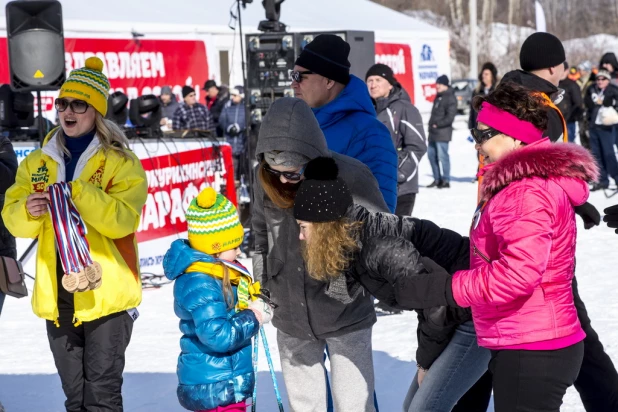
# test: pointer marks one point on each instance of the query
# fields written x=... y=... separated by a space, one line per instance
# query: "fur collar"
x=542 y=159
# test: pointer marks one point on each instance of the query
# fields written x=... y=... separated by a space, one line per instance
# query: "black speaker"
x=16 y=109
x=117 y=108
x=36 y=45
x=270 y=57
x=145 y=111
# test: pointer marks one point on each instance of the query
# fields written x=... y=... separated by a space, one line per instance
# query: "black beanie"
x=322 y=196
x=442 y=80
x=541 y=51
x=382 y=70
x=187 y=90
x=327 y=55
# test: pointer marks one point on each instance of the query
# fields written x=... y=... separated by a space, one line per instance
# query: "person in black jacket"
x=603 y=94
x=571 y=105
x=488 y=79
x=8 y=171
x=405 y=124
x=379 y=250
x=216 y=98
x=440 y=132
x=610 y=63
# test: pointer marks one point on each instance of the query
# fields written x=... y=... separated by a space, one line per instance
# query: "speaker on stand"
x=36 y=48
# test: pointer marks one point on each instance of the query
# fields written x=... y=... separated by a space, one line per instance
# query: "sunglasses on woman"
x=481 y=136
x=77 y=106
x=292 y=176
x=297 y=76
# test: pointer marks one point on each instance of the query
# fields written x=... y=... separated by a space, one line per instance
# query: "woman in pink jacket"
x=522 y=253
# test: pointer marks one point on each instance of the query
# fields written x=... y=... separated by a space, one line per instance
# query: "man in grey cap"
x=311 y=313
x=169 y=104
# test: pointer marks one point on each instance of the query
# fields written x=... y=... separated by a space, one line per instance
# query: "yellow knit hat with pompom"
x=213 y=223
x=88 y=84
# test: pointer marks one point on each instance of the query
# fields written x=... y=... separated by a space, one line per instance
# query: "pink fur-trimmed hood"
x=563 y=162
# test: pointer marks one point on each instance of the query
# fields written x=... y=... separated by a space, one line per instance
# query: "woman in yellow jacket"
x=88 y=331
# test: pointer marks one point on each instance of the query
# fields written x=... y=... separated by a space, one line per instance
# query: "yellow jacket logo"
x=97 y=177
x=40 y=178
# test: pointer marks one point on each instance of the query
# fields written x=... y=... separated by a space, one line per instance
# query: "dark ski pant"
x=90 y=360
x=597 y=382
x=405 y=204
x=533 y=380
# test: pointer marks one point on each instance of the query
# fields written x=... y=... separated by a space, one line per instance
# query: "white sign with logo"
x=431 y=59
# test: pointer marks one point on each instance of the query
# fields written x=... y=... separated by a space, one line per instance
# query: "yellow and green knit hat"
x=213 y=223
x=88 y=84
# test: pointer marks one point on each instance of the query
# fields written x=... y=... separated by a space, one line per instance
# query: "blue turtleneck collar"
x=76 y=146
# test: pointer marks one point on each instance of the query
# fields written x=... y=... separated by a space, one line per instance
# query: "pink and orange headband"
x=508 y=124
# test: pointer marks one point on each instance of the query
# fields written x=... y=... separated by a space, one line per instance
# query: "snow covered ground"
x=28 y=380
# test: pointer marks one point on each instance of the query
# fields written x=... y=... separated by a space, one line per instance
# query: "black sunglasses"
x=481 y=136
x=297 y=76
x=293 y=176
x=77 y=106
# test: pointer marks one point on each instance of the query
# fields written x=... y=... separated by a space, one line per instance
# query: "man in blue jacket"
x=345 y=112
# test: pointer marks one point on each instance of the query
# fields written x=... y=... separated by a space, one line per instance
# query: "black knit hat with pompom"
x=322 y=195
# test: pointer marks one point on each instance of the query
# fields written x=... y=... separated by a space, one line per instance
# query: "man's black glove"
x=611 y=217
x=438 y=285
x=608 y=101
x=589 y=214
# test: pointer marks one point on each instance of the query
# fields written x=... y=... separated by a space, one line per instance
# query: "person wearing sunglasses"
x=522 y=253
x=88 y=331
x=541 y=58
x=600 y=97
x=345 y=112
x=310 y=313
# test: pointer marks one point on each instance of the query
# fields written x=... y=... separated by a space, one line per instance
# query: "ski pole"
x=272 y=369
x=256 y=344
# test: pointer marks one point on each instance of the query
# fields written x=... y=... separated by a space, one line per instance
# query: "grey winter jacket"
x=8 y=170
x=443 y=115
x=305 y=310
x=169 y=109
x=404 y=122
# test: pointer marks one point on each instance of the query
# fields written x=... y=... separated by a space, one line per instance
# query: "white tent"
x=213 y=16
x=423 y=55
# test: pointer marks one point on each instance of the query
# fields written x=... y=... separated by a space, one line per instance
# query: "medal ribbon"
x=69 y=229
x=79 y=230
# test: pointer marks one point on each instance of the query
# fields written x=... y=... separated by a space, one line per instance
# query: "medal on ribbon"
x=81 y=273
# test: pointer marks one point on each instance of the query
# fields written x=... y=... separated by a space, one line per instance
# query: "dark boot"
x=598 y=186
x=436 y=183
x=444 y=185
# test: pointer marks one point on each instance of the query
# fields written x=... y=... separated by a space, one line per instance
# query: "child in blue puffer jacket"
x=218 y=315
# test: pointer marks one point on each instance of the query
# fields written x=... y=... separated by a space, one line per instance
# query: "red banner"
x=174 y=180
x=47 y=104
x=430 y=91
x=399 y=58
x=135 y=67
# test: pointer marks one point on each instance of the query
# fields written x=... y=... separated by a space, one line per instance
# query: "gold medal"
x=70 y=282
x=96 y=284
x=82 y=281
x=91 y=273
